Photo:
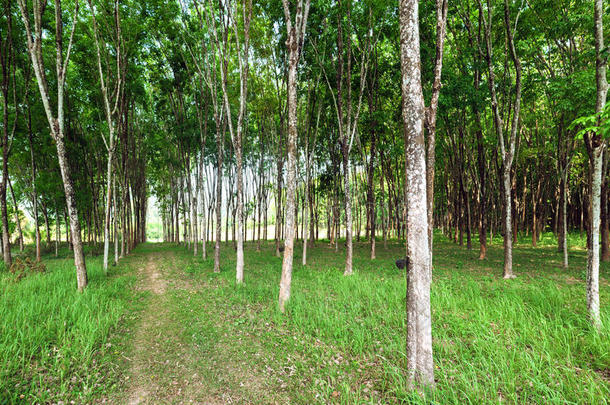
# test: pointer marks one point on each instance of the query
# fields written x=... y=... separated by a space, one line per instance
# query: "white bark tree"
x=111 y=111
x=296 y=33
x=227 y=16
x=56 y=117
x=595 y=148
x=420 y=368
x=207 y=72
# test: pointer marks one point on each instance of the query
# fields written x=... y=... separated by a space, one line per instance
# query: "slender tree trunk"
x=286 y=279
x=507 y=151
x=564 y=215
x=7 y=60
x=57 y=230
x=204 y=225
x=595 y=147
x=508 y=229
x=370 y=197
x=348 y=216
x=239 y=275
x=278 y=199
x=17 y=220
x=384 y=224
x=593 y=253
x=45 y=215
x=194 y=209
x=294 y=42
x=482 y=190
x=6 y=242
x=109 y=198
x=116 y=222
x=220 y=149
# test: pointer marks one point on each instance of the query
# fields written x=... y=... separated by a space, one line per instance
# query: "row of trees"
x=240 y=115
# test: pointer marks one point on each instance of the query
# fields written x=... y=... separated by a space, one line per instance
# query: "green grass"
x=343 y=338
x=56 y=343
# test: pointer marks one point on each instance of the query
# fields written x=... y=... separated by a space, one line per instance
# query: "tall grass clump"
x=54 y=340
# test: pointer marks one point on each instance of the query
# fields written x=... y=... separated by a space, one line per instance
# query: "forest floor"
x=164 y=328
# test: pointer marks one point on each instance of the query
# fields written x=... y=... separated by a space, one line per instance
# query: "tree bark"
x=420 y=368
x=595 y=147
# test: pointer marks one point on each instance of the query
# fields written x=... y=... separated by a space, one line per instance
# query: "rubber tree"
x=506 y=146
x=420 y=367
x=229 y=20
x=111 y=109
x=595 y=145
x=295 y=29
x=55 y=116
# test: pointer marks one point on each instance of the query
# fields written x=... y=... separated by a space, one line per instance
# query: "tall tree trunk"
x=204 y=225
x=34 y=195
x=507 y=151
x=194 y=208
x=45 y=215
x=6 y=243
x=278 y=198
x=296 y=33
x=482 y=188
x=595 y=147
x=7 y=60
x=56 y=122
x=420 y=368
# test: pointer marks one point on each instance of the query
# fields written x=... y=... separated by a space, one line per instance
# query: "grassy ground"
x=200 y=337
x=343 y=339
x=55 y=343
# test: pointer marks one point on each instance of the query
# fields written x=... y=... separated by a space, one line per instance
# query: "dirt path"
x=162 y=367
x=190 y=345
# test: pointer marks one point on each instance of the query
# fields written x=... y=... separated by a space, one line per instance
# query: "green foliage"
x=598 y=124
